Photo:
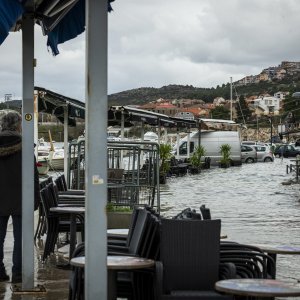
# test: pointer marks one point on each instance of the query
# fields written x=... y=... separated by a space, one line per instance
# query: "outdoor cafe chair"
x=125 y=240
x=250 y=261
x=76 y=281
x=62 y=187
x=55 y=223
x=189 y=260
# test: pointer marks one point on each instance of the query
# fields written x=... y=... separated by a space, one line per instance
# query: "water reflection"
x=254 y=205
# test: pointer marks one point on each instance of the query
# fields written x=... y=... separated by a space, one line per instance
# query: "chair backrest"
x=150 y=244
x=139 y=232
x=47 y=201
x=190 y=254
x=205 y=212
x=60 y=182
x=132 y=224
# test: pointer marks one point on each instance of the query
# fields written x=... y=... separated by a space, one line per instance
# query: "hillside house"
x=266 y=105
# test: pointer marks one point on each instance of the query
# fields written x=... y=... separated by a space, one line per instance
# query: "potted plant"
x=195 y=160
x=165 y=156
x=225 y=153
x=118 y=216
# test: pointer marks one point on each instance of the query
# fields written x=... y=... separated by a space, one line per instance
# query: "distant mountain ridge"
x=284 y=77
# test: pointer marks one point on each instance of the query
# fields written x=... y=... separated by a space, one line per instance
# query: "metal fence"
x=132 y=172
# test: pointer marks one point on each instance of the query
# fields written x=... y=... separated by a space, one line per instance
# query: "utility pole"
x=231 y=98
x=7 y=98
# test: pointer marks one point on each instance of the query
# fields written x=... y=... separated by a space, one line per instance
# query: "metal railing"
x=132 y=172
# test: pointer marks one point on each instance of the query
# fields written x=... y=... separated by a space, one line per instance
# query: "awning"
x=61 y=20
x=53 y=103
x=10 y=12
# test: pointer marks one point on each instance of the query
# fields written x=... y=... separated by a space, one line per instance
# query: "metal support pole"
x=199 y=133
x=188 y=143
x=271 y=130
x=96 y=150
x=66 y=148
x=231 y=98
x=27 y=151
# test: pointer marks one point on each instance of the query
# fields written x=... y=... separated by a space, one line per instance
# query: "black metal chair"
x=135 y=243
x=189 y=260
x=55 y=223
x=76 y=282
x=62 y=187
x=250 y=261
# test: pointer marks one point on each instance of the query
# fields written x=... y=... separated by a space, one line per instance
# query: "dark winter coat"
x=11 y=175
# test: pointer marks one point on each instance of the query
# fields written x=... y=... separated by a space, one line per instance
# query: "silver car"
x=249 y=154
x=264 y=153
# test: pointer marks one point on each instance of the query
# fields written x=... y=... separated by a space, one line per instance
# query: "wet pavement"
x=55 y=280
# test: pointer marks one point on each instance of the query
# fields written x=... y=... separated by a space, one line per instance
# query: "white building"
x=185 y=115
x=267 y=104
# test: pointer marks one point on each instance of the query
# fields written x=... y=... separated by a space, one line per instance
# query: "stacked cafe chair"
x=55 y=223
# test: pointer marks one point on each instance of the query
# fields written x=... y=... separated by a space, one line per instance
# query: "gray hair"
x=10 y=120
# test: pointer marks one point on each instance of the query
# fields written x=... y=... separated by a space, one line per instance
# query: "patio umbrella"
x=62 y=20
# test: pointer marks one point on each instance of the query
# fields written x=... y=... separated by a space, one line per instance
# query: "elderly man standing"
x=11 y=189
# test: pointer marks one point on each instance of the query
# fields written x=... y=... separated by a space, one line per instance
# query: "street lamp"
x=270 y=114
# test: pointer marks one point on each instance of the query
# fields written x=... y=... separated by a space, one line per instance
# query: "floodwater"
x=253 y=204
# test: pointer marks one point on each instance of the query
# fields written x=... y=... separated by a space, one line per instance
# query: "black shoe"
x=3 y=276
x=16 y=278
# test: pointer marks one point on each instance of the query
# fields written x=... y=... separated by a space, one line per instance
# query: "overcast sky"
x=153 y=43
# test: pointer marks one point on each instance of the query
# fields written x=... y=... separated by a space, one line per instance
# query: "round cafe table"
x=114 y=264
x=257 y=288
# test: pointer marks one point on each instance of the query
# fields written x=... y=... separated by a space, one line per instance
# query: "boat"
x=43 y=165
x=57 y=160
x=150 y=136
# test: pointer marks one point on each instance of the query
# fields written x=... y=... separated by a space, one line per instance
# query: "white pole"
x=231 y=98
x=96 y=150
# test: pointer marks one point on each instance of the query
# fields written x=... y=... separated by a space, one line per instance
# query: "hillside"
x=145 y=95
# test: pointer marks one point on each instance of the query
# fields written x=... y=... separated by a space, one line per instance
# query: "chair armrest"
x=227 y=271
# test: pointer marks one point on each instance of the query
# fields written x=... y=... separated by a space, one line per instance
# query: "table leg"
x=111 y=284
x=72 y=235
x=273 y=274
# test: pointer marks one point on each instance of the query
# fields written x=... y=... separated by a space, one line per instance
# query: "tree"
x=220 y=112
x=242 y=110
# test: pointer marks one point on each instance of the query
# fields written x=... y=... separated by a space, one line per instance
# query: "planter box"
x=224 y=164
x=118 y=220
x=194 y=170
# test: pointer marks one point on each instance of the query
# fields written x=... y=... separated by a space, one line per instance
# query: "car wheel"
x=249 y=160
x=268 y=159
x=277 y=155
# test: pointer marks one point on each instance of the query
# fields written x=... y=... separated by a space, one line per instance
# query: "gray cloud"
x=154 y=43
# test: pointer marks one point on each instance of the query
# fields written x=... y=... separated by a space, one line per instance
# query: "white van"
x=212 y=141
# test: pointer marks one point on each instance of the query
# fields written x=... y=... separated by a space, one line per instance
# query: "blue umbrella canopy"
x=60 y=20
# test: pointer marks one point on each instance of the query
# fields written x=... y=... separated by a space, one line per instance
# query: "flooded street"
x=250 y=200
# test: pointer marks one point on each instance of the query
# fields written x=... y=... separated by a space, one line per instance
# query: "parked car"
x=286 y=151
x=251 y=143
x=249 y=154
x=264 y=153
x=295 y=145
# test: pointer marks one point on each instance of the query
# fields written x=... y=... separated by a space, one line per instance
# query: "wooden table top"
x=257 y=287
x=68 y=209
x=118 y=262
x=278 y=249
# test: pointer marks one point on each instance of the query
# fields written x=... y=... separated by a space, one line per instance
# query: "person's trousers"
x=17 y=251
